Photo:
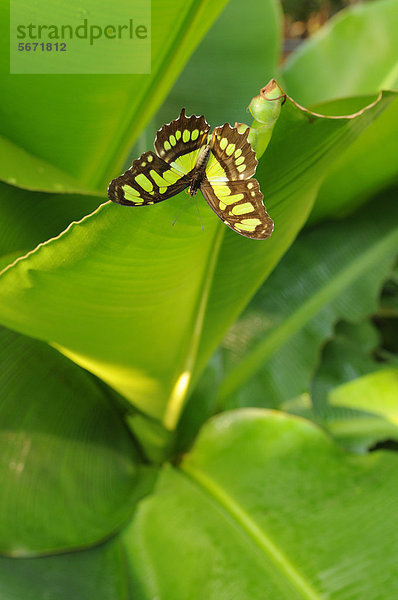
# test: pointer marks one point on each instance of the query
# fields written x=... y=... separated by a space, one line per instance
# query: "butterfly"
x=220 y=164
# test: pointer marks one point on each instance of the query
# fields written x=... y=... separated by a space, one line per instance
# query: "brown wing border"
x=180 y=147
x=250 y=189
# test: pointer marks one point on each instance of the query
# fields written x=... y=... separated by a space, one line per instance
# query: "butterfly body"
x=199 y=171
x=221 y=165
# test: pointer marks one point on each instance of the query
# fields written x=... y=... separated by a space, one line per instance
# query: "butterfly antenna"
x=181 y=210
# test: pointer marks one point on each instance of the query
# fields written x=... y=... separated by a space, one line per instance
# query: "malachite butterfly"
x=220 y=164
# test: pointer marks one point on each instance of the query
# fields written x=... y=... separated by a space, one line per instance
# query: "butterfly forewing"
x=240 y=205
x=232 y=158
x=149 y=180
x=179 y=142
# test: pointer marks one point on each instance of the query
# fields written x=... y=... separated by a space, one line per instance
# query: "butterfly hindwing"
x=240 y=205
x=179 y=142
x=232 y=157
x=149 y=180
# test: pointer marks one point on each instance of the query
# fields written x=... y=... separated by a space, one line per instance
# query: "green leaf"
x=70 y=471
x=85 y=124
x=96 y=573
x=267 y=506
x=355 y=53
x=332 y=271
x=144 y=305
x=367 y=167
x=24 y=170
x=28 y=219
x=381 y=386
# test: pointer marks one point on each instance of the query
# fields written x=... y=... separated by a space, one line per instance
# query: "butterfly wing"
x=149 y=180
x=156 y=177
x=229 y=188
x=232 y=157
x=240 y=205
x=179 y=142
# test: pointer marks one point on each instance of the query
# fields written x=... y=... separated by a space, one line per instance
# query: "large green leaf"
x=332 y=271
x=30 y=218
x=70 y=472
x=266 y=506
x=290 y=173
x=85 y=124
x=22 y=169
x=367 y=167
x=355 y=53
x=143 y=305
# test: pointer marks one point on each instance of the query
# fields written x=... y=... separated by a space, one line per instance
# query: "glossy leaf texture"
x=267 y=506
x=102 y=115
x=333 y=271
x=355 y=53
x=143 y=305
x=70 y=470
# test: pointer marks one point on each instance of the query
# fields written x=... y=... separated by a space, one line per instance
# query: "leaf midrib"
x=193 y=338
x=258 y=536
x=325 y=295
